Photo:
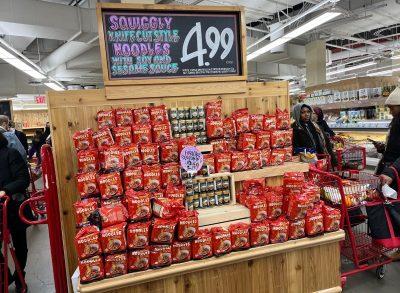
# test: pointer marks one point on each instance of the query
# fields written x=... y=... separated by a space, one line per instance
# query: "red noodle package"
x=254 y=159
x=158 y=194
x=256 y=122
x=297 y=208
x=175 y=192
x=103 y=138
x=215 y=128
x=314 y=221
x=240 y=236
x=239 y=161
x=279 y=230
x=139 y=207
x=142 y=115
x=209 y=161
x=161 y=131
x=113 y=238
x=158 y=113
x=254 y=186
x=106 y=119
x=87 y=184
x=241 y=197
x=231 y=144
x=293 y=182
x=87 y=242
x=246 y=142
x=229 y=127
x=274 y=204
x=219 y=146
x=188 y=225
x=91 y=269
x=282 y=119
x=181 y=251
x=262 y=140
x=112 y=202
x=331 y=219
x=110 y=216
x=124 y=117
x=288 y=137
x=131 y=155
x=160 y=256
x=151 y=177
x=167 y=208
x=257 y=207
x=169 y=152
x=269 y=122
x=202 y=246
x=113 y=158
x=277 y=157
x=259 y=234
x=163 y=231
x=265 y=157
x=242 y=123
x=133 y=178
x=288 y=154
x=297 y=229
x=277 y=139
x=142 y=133
x=150 y=153
x=222 y=162
x=122 y=135
x=83 y=140
x=221 y=239
x=170 y=174
x=115 y=265
x=138 y=235
x=213 y=110
x=88 y=161
x=83 y=209
x=139 y=260
x=313 y=191
x=185 y=142
x=110 y=185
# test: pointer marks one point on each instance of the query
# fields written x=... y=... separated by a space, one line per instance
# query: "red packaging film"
x=282 y=119
x=112 y=202
x=254 y=186
x=87 y=184
x=314 y=221
x=123 y=117
x=185 y=142
x=113 y=215
x=279 y=230
x=293 y=182
x=87 y=242
x=213 y=110
x=91 y=269
x=254 y=160
x=277 y=157
x=115 y=265
x=83 y=209
x=241 y=197
x=161 y=131
x=122 y=135
x=285 y=205
x=229 y=127
x=106 y=119
x=166 y=208
x=256 y=122
x=88 y=161
x=262 y=140
x=297 y=229
x=265 y=157
x=83 y=140
x=138 y=235
x=297 y=208
x=331 y=219
x=163 y=231
x=113 y=158
x=175 y=192
x=240 y=236
x=142 y=115
x=181 y=251
x=202 y=246
x=215 y=128
x=221 y=239
x=150 y=153
x=133 y=178
x=219 y=146
x=158 y=113
x=142 y=133
x=242 y=123
x=313 y=191
x=103 y=138
x=188 y=225
x=239 y=161
x=139 y=207
x=257 y=207
x=113 y=238
x=151 y=177
x=278 y=139
x=169 y=152
x=288 y=137
x=209 y=161
x=160 y=256
x=240 y=112
x=231 y=144
x=274 y=204
x=110 y=185
x=269 y=122
x=131 y=155
x=259 y=234
x=288 y=154
x=139 y=260
x=222 y=162
x=170 y=174
x=246 y=142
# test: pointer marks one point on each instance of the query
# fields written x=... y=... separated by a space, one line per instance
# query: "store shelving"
x=271 y=171
x=360 y=129
x=354 y=104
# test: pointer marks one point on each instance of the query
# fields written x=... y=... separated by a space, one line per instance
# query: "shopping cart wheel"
x=380 y=272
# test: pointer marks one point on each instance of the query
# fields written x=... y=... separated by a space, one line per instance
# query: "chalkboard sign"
x=6 y=109
x=171 y=44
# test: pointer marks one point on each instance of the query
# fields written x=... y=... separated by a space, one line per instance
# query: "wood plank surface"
x=271 y=171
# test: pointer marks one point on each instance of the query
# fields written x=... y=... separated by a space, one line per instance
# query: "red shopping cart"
x=350 y=156
x=38 y=207
x=7 y=245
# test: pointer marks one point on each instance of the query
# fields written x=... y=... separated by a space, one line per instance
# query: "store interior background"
x=60 y=36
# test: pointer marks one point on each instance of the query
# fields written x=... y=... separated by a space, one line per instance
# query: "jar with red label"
x=188 y=225
x=83 y=209
x=262 y=140
x=133 y=178
x=103 y=138
x=150 y=153
x=259 y=233
x=279 y=230
x=138 y=235
x=163 y=231
x=221 y=239
x=106 y=119
x=256 y=122
x=215 y=128
x=113 y=238
x=87 y=184
x=115 y=265
x=87 y=242
x=110 y=185
x=123 y=117
x=269 y=122
x=202 y=245
x=169 y=152
x=161 y=131
x=152 y=177
x=274 y=204
x=122 y=135
x=139 y=207
x=239 y=161
x=88 y=161
x=222 y=162
x=160 y=256
x=240 y=236
x=113 y=158
x=257 y=207
x=142 y=133
x=229 y=128
x=170 y=174
x=142 y=115
x=83 y=140
x=139 y=260
x=297 y=229
x=158 y=113
x=91 y=269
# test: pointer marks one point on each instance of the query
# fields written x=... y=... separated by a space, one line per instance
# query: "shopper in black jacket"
x=20 y=135
x=321 y=122
x=14 y=179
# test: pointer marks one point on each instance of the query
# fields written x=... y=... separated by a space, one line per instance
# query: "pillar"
x=316 y=63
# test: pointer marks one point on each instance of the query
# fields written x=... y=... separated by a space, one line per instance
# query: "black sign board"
x=164 y=44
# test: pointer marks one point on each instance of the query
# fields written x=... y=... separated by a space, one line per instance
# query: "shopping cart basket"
x=351 y=157
x=38 y=207
x=7 y=245
x=350 y=191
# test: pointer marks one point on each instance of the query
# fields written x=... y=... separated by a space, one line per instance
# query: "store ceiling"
x=63 y=42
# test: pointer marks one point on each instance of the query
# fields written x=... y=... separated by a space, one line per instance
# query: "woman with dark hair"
x=14 y=179
x=318 y=117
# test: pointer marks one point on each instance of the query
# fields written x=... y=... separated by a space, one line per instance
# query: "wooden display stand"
x=306 y=265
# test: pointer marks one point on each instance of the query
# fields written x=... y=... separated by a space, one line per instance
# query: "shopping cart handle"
x=30 y=201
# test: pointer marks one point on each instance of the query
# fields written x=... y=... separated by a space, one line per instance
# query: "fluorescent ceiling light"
x=327 y=16
x=54 y=86
x=352 y=68
x=385 y=72
x=19 y=64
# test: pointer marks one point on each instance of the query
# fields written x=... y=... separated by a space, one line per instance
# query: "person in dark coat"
x=20 y=135
x=307 y=134
x=14 y=179
x=37 y=142
x=319 y=115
